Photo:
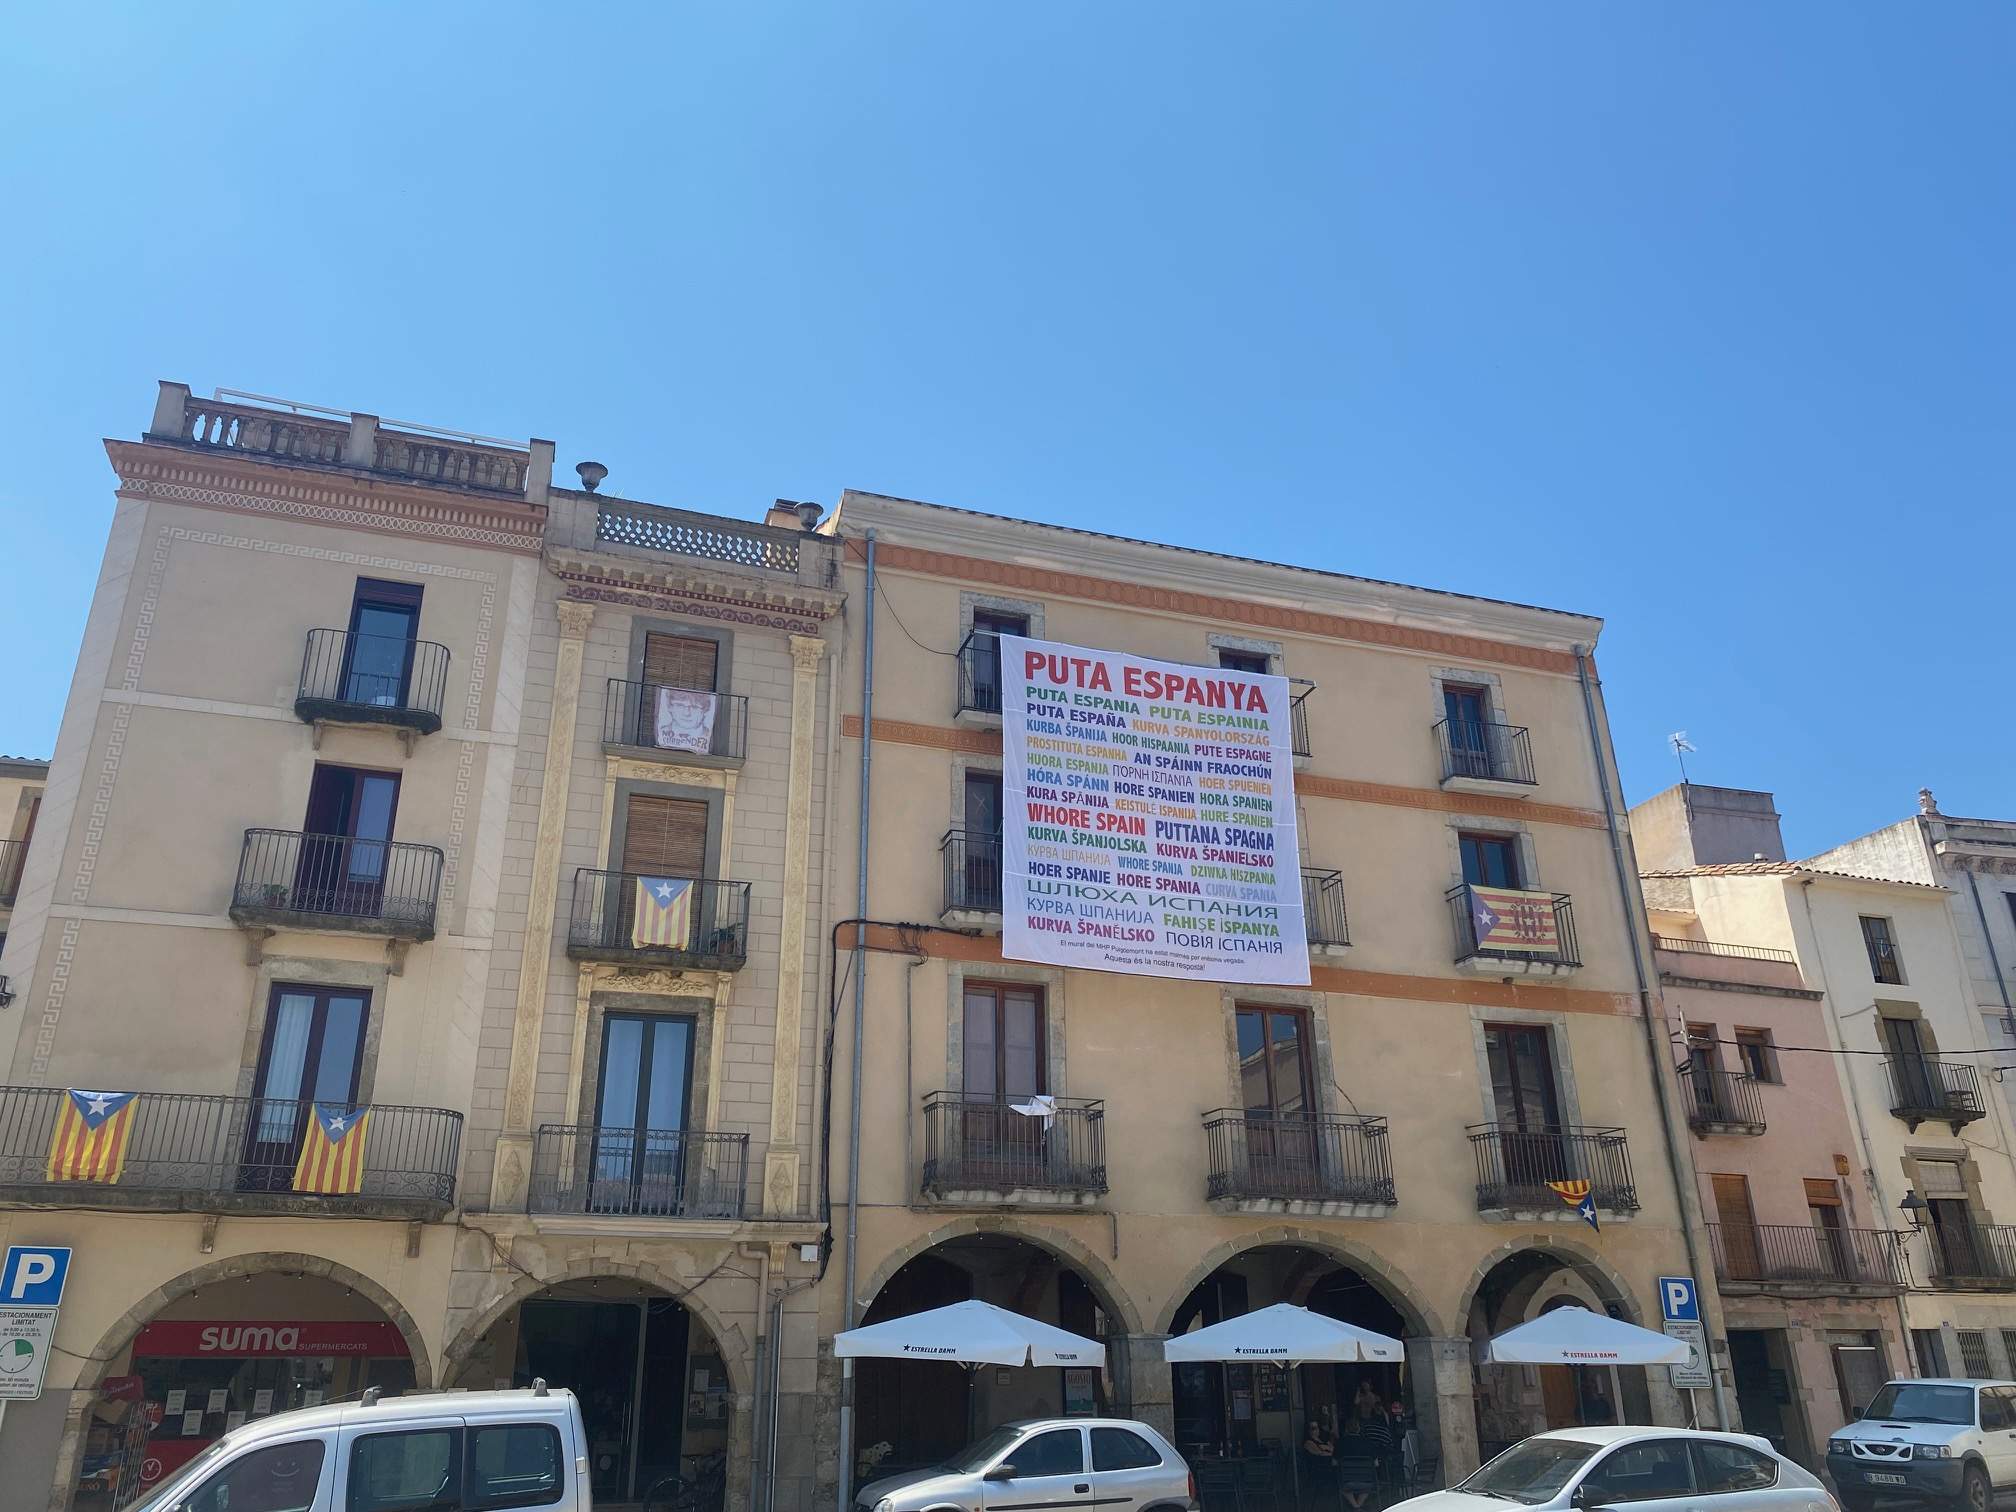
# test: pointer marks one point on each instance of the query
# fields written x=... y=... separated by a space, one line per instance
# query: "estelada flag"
x=663 y=914
x=91 y=1133
x=1509 y=919
x=332 y=1150
x=1578 y=1196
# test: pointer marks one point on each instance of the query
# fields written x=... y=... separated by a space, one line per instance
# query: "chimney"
x=783 y=514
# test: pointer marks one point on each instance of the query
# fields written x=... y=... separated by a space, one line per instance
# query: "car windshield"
x=1915 y=1402
x=976 y=1454
x=1532 y=1472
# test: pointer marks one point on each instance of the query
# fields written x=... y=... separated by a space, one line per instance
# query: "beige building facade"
x=405 y=798
x=1374 y=1144
x=22 y=780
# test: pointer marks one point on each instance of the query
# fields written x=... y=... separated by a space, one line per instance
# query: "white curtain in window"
x=284 y=1061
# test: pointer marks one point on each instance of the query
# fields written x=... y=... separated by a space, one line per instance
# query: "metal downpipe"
x=852 y=1272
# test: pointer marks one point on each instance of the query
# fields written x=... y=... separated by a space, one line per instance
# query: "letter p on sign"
x=1678 y=1302
x=33 y=1276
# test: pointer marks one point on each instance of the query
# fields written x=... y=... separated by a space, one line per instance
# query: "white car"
x=1943 y=1442
x=1636 y=1467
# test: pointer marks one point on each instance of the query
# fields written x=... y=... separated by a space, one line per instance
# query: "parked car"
x=1929 y=1440
x=438 y=1449
x=1113 y=1463
x=1636 y=1467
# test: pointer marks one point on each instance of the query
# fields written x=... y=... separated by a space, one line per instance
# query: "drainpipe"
x=846 y=1478
x=1627 y=894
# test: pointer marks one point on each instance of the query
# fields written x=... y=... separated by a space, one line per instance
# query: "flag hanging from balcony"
x=1579 y=1197
x=684 y=720
x=91 y=1133
x=1507 y=919
x=664 y=913
x=332 y=1150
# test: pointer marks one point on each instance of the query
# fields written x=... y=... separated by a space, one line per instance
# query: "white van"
x=456 y=1451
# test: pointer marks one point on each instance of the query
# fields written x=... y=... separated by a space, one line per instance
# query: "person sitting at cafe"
x=1319 y=1454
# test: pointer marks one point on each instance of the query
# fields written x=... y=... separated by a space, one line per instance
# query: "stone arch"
x=734 y=1346
x=1421 y=1317
x=1572 y=1253
x=1118 y=1305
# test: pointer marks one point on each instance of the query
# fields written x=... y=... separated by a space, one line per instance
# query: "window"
x=1642 y=1472
x=1002 y=1042
x=513 y=1465
x=1522 y=1077
x=980 y=667
x=1274 y=1062
x=1720 y=1468
x=1059 y=1451
x=312 y=1052
x=665 y=837
x=1995 y=1410
x=1823 y=1211
x=1884 y=962
x=1859 y=1371
x=1930 y=1348
x=1490 y=860
x=639 y=1163
x=1468 y=712
x=682 y=661
x=1243 y=661
x=405 y=1472
x=283 y=1478
x=378 y=656
x=1122 y=1449
x=1756 y=1054
x=342 y=864
x=1738 y=1221
x=1973 y=1353
x=975 y=869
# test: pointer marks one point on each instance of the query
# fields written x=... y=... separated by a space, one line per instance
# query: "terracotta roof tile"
x=1782 y=869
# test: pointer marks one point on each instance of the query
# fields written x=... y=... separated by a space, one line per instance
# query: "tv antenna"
x=1681 y=746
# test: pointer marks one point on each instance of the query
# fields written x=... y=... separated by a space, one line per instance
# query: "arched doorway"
x=913 y=1413
x=657 y=1395
x=1514 y=1401
x=1247 y=1411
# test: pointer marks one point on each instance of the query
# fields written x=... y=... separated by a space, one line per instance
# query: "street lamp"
x=1913 y=1209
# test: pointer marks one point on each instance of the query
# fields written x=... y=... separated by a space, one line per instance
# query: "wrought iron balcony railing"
x=979 y=673
x=1972 y=1256
x=983 y=1144
x=191 y=1146
x=13 y=856
x=1792 y=1257
x=1297 y=1157
x=1298 y=715
x=972 y=861
x=1323 y=918
x=1719 y=948
x=1514 y=1167
x=372 y=679
x=703 y=923
x=291 y=880
x=1564 y=951
x=1485 y=751
x=1924 y=1090
x=1721 y=1102
x=661 y=717
x=642 y=1173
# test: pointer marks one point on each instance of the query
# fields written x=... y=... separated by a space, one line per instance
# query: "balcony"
x=288 y=880
x=1684 y=946
x=352 y=679
x=1299 y=689
x=13 y=856
x=972 y=862
x=1721 y=1102
x=1300 y=1164
x=664 y=723
x=1482 y=757
x=1807 y=1260
x=980 y=1150
x=586 y=1172
x=1973 y=1257
x=1504 y=932
x=1514 y=1167
x=194 y=1153
x=1924 y=1090
x=979 y=697
x=1323 y=918
x=707 y=931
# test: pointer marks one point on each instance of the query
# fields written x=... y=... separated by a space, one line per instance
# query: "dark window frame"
x=1015 y=1455
x=1758 y=1052
x=1238 y=659
x=1543 y=1034
x=1886 y=961
x=997 y=992
x=650 y=1021
x=1305 y=1047
x=1482 y=842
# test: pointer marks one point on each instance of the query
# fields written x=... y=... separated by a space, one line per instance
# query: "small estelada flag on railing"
x=332 y=1151
x=1579 y=1197
x=663 y=913
x=91 y=1133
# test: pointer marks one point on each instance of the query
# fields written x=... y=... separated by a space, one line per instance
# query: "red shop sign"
x=236 y=1340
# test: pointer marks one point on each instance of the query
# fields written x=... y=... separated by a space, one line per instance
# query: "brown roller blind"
x=680 y=661
x=665 y=837
x=1822 y=1193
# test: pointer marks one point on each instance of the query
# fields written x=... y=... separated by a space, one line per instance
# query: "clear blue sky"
x=1697 y=317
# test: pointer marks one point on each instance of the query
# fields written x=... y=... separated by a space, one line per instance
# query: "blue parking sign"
x=33 y=1276
x=1679 y=1302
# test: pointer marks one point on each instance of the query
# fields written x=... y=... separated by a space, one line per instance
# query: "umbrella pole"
x=1294 y=1444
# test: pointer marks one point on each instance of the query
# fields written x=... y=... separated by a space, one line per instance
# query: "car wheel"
x=1975 y=1494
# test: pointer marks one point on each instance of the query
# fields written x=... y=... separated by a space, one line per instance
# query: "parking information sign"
x=31 y=1289
x=1680 y=1311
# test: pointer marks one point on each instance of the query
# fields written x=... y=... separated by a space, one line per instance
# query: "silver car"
x=1054 y=1463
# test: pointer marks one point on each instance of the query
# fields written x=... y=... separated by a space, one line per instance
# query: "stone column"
x=511 y=1182
x=1142 y=1386
x=1445 y=1397
x=780 y=1164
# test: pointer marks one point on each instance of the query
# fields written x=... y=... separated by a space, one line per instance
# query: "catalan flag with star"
x=91 y=1133
x=1578 y=1196
x=332 y=1150
x=663 y=916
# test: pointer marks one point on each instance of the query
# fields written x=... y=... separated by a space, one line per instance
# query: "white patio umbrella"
x=970 y=1333
x=1577 y=1336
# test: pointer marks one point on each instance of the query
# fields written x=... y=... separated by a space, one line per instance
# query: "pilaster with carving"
x=780 y=1164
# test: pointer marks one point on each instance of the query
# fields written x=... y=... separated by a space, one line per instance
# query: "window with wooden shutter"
x=665 y=837
x=1822 y=1193
x=681 y=661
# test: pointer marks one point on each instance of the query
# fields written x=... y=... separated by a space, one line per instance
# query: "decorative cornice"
x=722 y=607
x=978 y=742
x=696 y=578
x=267 y=486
